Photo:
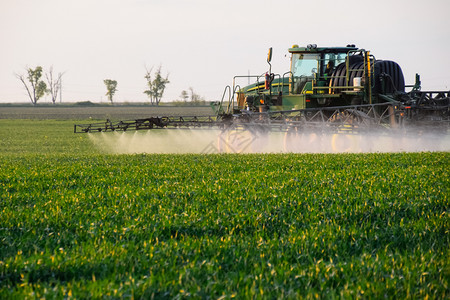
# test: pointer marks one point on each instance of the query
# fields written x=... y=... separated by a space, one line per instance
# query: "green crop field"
x=67 y=112
x=76 y=222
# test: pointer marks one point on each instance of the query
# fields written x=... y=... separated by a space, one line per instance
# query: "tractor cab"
x=318 y=77
x=312 y=67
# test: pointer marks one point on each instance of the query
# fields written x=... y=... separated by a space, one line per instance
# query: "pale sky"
x=204 y=43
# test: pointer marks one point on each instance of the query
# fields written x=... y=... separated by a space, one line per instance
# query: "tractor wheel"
x=297 y=140
x=345 y=121
x=394 y=80
x=339 y=78
x=345 y=143
x=239 y=140
x=347 y=125
x=357 y=70
x=351 y=119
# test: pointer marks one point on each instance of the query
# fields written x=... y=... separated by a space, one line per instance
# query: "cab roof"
x=314 y=49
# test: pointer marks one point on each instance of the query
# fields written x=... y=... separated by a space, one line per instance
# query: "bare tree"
x=155 y=86
x=111 y=87
x=36 y=88
x=54 y=85
x=195 y=98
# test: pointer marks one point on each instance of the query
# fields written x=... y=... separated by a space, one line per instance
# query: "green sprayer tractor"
x=327 y=91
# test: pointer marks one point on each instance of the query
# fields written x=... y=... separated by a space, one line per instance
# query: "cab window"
x=304 y=64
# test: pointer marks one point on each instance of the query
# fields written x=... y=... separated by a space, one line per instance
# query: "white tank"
x=357 y=83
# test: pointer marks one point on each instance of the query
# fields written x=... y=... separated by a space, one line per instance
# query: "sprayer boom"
x=147 y=123
x=342 y=119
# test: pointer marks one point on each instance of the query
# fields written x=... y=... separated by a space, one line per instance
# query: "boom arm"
x=146 y=124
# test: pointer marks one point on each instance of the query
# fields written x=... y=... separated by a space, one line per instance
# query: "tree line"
x=156 y=83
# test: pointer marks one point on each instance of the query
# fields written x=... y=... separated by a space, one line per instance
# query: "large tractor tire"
x=393 y=77
x=387 y=70
x=339 y=75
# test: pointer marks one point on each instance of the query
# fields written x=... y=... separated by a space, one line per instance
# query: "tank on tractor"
x=325 y=77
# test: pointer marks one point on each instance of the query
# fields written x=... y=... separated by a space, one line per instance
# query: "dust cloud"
x=173 y=141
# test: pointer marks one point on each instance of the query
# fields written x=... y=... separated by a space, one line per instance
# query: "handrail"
x=223 y=96
x=231 y=102
x=279 y=77
x=236 y=87
x=290 y=78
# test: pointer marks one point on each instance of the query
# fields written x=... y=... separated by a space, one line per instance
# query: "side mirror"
x=269 y=55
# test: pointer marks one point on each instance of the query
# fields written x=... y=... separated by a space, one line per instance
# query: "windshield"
x=304 y=64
